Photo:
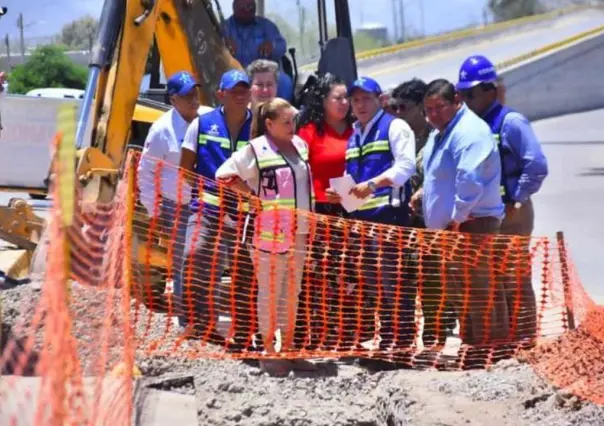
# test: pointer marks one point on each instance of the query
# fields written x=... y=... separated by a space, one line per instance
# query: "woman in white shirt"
x=275 y=167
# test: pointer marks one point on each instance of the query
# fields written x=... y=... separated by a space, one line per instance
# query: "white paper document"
x=342 y=186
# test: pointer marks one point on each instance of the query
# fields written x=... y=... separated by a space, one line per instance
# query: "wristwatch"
x=372 y=186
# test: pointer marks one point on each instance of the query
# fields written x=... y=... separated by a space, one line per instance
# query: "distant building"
x=376 y=31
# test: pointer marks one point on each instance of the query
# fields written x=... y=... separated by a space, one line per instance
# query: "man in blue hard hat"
x=524 y=167
x=381 y=158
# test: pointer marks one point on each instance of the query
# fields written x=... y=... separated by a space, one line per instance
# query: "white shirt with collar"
x=402 y=145
x=163 y=142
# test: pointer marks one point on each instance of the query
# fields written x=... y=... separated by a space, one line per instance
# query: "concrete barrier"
x=564 y=78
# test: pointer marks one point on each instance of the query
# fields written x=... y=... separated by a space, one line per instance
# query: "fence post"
x=568 y=296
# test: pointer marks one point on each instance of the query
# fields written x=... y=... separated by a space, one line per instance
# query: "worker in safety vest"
x=215 y=229
x=524 y=167
x=381 y=158
x=275 y=167
x=163 y=144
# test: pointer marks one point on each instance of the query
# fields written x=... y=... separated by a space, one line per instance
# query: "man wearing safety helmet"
x=523 y=167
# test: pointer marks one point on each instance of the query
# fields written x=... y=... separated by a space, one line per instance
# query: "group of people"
x=434 y=155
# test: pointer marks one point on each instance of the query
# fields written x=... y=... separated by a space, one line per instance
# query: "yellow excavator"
x=138 y=37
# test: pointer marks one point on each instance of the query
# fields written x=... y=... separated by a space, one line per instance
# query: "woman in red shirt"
x=325 y=123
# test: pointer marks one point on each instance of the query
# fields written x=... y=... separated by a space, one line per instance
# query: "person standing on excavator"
x=212 y=241
x=252 y=37
x=523 y=170
x=163 y=143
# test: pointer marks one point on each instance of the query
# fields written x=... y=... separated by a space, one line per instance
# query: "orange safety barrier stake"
x=568 y=296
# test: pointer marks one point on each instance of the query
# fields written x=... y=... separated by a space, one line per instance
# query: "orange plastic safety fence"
x=164 y=270
x=238 y=271
x=56 y=361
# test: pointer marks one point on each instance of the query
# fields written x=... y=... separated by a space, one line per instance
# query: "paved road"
x=445 y=64
x=572 y=197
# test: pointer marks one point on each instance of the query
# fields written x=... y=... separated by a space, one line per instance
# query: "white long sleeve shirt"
x=402 y=145
x=163 y=142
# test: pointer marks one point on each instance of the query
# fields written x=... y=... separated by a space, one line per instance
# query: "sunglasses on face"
x=401 y=107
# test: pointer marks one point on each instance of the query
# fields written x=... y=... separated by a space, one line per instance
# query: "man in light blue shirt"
x=524 y=168
x=252 y=37
x=462 y=170
x=462 y=174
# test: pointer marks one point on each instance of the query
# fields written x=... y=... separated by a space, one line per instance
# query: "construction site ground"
x=222 y=392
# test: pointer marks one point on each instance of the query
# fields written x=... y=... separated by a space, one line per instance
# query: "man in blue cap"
x=381 y=159
x=163 y=143
x=524 y=168
x=215 y=228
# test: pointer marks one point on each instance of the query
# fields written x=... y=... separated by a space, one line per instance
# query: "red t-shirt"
x=326 y=155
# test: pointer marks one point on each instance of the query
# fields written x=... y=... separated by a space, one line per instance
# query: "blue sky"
x=46 y=17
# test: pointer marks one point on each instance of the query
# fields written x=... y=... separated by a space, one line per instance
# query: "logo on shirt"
x=268 y=183
x=213 y=129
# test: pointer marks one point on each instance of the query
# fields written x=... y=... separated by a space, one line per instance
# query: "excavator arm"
x=188 y=38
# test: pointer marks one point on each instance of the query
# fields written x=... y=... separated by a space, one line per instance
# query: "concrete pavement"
x=572 y=197
x=445 y=63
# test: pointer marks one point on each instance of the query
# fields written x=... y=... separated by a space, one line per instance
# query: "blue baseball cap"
x=232 y=78
x=366 y=84
x=181 y=83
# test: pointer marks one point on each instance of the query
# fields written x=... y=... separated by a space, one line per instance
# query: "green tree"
x=79 y=34
x=48 y=66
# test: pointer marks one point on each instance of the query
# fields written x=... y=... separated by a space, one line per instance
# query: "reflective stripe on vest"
x=276 y=223
x=368 y=159
x=495 y=119
x=502 y=190
x=213 y=149
x=224 y=142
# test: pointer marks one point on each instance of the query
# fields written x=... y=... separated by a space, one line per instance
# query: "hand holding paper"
x=342 y=186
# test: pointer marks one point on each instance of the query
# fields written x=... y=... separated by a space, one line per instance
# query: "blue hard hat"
x=475 y=70
x=181 y=83
x=366 y=84
x=232 y=78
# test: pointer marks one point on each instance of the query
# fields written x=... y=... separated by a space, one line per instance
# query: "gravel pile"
x=235 y=393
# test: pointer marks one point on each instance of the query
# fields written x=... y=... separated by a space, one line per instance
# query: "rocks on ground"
x=235 y=393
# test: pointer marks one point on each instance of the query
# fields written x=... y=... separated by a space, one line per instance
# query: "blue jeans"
x=175 y=225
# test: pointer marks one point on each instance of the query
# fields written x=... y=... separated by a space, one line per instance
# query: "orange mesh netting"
x=328 y=288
